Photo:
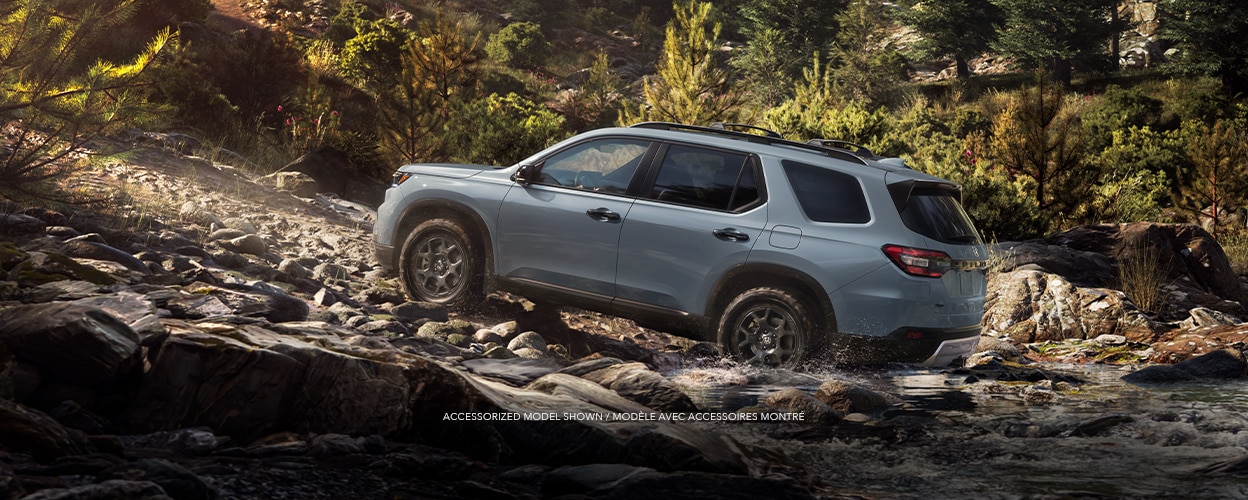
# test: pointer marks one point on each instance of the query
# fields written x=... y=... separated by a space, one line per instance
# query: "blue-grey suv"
x=775 y=249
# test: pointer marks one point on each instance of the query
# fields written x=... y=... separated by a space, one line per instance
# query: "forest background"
x=1034 y=106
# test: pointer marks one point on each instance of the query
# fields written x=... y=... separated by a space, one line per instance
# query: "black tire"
x=768 y=326
x=440 y=264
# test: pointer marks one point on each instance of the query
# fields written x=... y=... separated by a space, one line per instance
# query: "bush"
x=520 y=45
x=501 y=130
x=375 y=54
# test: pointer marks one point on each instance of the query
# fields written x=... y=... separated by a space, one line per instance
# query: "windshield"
x=936 y=214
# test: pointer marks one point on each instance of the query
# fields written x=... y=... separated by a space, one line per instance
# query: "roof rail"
x=771 y=139
x=846 y=145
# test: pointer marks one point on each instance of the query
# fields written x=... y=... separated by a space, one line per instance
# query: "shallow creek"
x=946 y=438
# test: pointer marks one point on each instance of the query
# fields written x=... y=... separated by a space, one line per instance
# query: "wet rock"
x=1222 y=364
x=847 y=397
x=580 y=479
x=191 y=442
x=412 y=311
x=426 y=463
x=26 y=430
x=513 y=371
x=499 y=352
x=614 y=481
x=108 y=490
x=1038 y=395
x=798 y=401
x=176 y=481
x=80 y=345
x=637 y=382
x=332 y=444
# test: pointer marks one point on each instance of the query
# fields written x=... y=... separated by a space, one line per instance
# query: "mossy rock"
x=10 y=255
x=444 y=329
x=459 y=340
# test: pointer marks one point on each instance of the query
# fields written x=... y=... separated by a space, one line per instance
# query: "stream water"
x=946 y=438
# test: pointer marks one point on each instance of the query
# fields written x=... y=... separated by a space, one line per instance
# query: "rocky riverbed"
x=210 y=336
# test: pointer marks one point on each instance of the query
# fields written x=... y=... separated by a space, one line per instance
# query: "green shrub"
x=501 y=130
x=374 y=56
x=1119 y=109
x=520 y=45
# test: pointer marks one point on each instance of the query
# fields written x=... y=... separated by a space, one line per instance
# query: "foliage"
x=372 y=54
x=1119 y=109
x=501 y=130
x=1209 y=36
x=766 y=66
x=597 y=102
x=1217 y=174
x=520 y=45
x=1235 y=245
x=1135 y=185
x=866 y=68
x=691 y=86
x=784 y=29
x=1037 y=134
x=439 y=70
x=1142 y=276
x=1056 y=35
x=49 y=108
x=963 y=29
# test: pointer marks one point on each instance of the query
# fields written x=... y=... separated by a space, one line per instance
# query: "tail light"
x=919 y=262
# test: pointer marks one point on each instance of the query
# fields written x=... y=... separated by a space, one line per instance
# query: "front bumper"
x=385 y=256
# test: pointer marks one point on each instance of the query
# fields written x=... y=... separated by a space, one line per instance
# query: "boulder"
x=1032 y=306
x=1180 y=345
x=1087 y=268
x=82 y=249
x=1182 y=251
x=76 y=344
x=1223 y=364
x=106 y=490
x=237 y=380
x=798 y=401
x=177 y=481
x=847 y=397
x=25 y=430
x=639 y=383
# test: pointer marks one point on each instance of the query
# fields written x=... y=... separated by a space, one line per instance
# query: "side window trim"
x=752 y=162
x=643 y=166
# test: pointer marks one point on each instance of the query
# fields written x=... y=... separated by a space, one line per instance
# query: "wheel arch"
x=472 y=222
x=748 y=276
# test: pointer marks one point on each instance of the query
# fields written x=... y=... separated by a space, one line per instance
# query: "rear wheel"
x=768 y=326
x=439 y=263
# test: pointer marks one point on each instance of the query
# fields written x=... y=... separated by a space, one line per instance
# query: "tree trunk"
x=1060 y=72
x=964 y=69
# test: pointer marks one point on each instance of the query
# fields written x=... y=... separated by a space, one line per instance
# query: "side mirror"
x=523 y=175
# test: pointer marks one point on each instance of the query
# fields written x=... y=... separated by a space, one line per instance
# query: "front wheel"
x=439 y=263
x=768 y=326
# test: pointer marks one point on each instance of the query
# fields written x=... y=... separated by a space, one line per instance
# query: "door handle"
x=730 y=234
x=602 y=214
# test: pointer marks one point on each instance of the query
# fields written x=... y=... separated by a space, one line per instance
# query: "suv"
x=775 y=249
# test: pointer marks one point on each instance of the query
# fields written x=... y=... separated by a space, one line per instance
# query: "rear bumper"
x=935 y=347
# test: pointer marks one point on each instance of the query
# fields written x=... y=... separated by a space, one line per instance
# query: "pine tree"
x=692 y=86
x=1217 y=174
x=1210 y=37
x=962 y=29
x=51 y=102
x=1058 y=35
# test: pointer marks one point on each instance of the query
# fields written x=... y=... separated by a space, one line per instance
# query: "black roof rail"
x=846 y=145
x=766 y=132
x=771 y=139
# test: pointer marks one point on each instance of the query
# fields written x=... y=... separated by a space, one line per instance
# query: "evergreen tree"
x=438 y=68
x=866 y=68
x=692 y=86
x=1057 y=35
x=960 y=28
x=1038 y=135
x=780 y=34
x=1210 y=37
x=52 y=104
x=1217 y=173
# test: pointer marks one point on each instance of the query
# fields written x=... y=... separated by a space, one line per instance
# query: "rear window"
x=936 y=214
x=827 y=195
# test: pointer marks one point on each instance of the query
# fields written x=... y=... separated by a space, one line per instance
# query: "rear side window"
x=706 y=178
x=936 y=214
x=827 y=195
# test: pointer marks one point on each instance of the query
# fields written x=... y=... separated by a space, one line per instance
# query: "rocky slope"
x=209 y=336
